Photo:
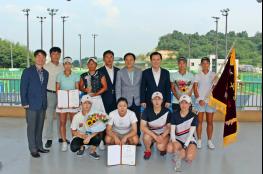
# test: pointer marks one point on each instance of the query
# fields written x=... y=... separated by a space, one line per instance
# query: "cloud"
x=10 y=9
x=16 y=10
x=111 y=10
x=104 y=2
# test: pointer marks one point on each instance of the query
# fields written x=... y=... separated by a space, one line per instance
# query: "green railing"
x=10 y=92
x=249 y=94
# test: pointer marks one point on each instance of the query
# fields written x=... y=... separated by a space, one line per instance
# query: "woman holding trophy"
x=94 y=84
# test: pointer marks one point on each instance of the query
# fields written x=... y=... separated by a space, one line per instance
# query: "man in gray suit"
x=128 y=86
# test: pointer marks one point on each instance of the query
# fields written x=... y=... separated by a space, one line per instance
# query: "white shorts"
x=75 y=110
x=206 y=108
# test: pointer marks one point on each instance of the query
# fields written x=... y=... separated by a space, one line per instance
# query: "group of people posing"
x=166 y=101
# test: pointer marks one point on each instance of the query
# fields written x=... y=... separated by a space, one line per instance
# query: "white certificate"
x=121 y=155
x=73 y=98
x=68 y=99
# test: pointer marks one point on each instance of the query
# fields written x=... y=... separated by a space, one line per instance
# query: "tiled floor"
x=244 y=157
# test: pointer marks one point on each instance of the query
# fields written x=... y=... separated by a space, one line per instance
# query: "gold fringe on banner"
x=218 y=105
x=230 y=122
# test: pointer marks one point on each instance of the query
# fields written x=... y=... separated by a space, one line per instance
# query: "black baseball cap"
x=181 y=59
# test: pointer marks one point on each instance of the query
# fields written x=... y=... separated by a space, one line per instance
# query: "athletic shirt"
x=67 y=82
x=183 y=125
x=122 y=125
x=156 y=122
x=93 y=81
x=183 y=84
x=205 y=82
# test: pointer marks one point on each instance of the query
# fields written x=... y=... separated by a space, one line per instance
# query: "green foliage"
x=170 y=64
x=248 y=49
x=19 y=55
x=75 y=63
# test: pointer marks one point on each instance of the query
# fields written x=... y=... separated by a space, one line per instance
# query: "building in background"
x=168 y=54
x=194 y=64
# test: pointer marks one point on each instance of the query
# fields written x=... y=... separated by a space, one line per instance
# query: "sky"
x=122 y=25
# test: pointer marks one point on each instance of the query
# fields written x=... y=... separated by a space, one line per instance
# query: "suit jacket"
x=125 y=88
x=109 y=96
x=32 y=92
x=148 y=86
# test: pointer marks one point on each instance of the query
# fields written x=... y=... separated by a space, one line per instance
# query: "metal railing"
x=249 y=94
x=10 y=92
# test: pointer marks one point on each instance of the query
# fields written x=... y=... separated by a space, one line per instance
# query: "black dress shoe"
x=35 y=154
x=43 y=150
x=48 y=144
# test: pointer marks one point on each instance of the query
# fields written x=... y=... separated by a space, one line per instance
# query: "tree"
x=75 y=63
x=19 y=55
x=249 y=49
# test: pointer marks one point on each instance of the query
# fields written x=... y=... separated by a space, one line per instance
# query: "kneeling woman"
x=122 y=126
x=183 y=126
x=155 y=126
x=80 y=138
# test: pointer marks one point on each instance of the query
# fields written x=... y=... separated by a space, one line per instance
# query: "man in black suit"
x=110 y=72
x=109 y=96
x=155 y=79
x=33 y=93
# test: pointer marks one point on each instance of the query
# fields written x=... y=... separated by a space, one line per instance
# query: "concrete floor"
x=241 y=158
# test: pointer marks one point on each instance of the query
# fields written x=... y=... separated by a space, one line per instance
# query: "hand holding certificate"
x=68 y=99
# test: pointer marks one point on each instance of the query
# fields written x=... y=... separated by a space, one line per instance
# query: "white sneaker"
x=178 y=162
x=102 y=146
x=199 y=144
x=210 y=145
x=64 y=147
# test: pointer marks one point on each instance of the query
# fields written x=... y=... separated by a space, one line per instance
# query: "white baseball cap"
x=157 y=94
x=67 y=60
x=86 y=98
x=185 y=98
x=92 y=58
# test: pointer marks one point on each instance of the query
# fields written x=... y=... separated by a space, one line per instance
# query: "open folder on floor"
x=121 y=155
x=68 y=99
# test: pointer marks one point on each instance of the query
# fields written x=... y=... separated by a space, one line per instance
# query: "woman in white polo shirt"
x=202 y=86
x=155 y=126
x=122 y=126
